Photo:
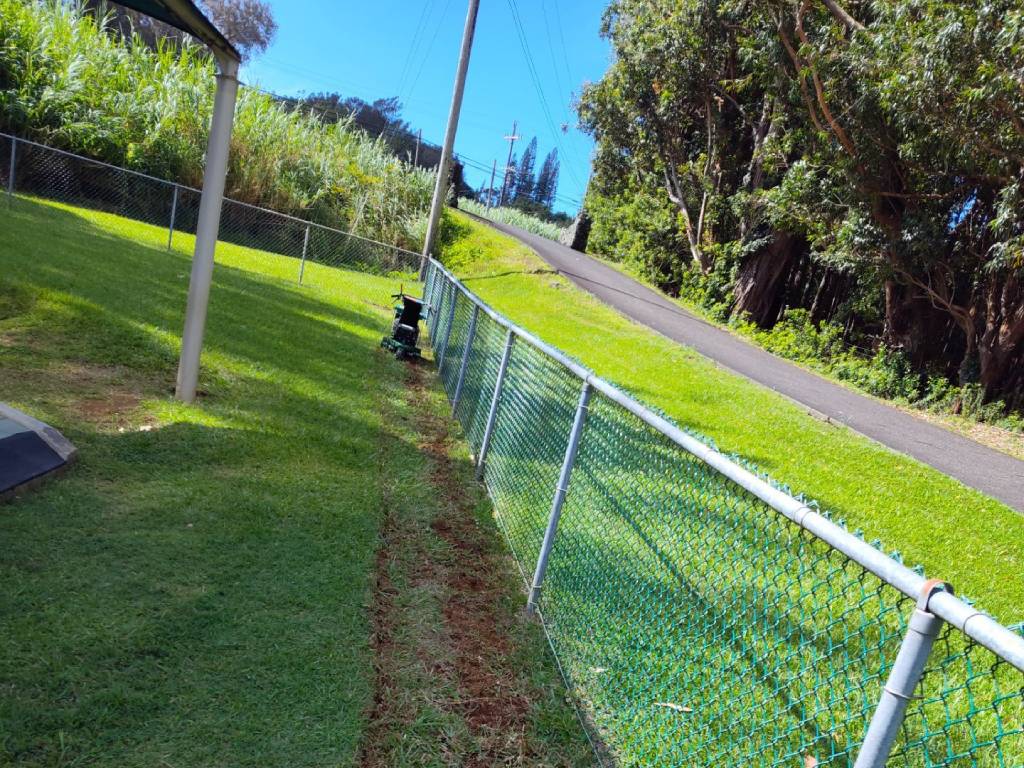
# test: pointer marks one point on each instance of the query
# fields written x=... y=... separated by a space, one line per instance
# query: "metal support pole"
x=174 y=213
x=10 y=176
x=428 y=295
x=511 y=139
x=904 y=677
x=438 y=298
x=464 y=365
x=447 y=330
x=490 y=189
x=305 y=246
x=441 y=185
x=210 y=205
x=560 y=490
x=492 y=415
x=419 y=138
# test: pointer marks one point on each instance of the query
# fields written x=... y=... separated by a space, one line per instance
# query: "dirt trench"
x=469 y=659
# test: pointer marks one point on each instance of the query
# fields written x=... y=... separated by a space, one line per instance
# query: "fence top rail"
x=972 y=622
x=142 y=175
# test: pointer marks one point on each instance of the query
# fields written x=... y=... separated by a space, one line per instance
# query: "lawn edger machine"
x=405 y=330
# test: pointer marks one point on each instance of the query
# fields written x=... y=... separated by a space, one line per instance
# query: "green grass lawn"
x=696 y=626
x=956 y=533
x=198 y=589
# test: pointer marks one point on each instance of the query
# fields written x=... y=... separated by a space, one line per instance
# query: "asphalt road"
x=990 y=471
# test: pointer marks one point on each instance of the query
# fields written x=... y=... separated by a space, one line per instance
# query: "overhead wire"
x=535 y=77
x=430 y=47
x=413 y=45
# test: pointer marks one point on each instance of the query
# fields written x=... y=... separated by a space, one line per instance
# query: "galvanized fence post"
x=447 y=330
x=466 y=349
x=305 y=246
x=492 y=415
x=10 y=175
x=560 y=490
x=174 y=213
x=430 y=298
x=428 y=291
x=904 y=677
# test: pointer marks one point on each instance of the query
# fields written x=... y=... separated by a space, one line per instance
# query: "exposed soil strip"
x=469 y=575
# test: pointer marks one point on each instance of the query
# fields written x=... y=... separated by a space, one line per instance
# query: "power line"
x=390 y=130
x=551 y=47
x=532 y=69
x=413 y=45
x=430 y=47
x=339 y=86
x=561 y=37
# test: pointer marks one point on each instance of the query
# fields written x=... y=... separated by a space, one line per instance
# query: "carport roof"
x=184 y=15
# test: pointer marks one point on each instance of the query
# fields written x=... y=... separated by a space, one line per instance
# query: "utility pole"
x=419 y=138
x=490 y=189
x=441 y=186
x=508 y=166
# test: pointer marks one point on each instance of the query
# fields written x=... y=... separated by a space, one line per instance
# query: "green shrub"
x=885 y=373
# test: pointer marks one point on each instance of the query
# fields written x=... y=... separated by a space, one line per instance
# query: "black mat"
x=25 y=456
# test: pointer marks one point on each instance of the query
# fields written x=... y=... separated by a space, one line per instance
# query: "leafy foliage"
x=66 y=81
x=515 y=217
x=861 y=161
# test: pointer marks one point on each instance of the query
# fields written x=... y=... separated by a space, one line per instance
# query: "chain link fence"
x=700 y=614
x=35 y=171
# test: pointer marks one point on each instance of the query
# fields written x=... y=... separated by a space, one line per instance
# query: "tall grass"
x=514 y=217
x=66 y=81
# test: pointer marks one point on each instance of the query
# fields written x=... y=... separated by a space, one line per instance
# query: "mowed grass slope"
x=201 y=589
x=195 y=590
x=956 y=533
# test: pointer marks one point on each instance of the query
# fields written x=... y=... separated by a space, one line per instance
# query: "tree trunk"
x=913 y=324
x=1001 y=345
x=763 y=278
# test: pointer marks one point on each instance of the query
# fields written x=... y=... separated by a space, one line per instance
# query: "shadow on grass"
x=193 y=592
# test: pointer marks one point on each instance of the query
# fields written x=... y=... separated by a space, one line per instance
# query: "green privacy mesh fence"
x=695 y=624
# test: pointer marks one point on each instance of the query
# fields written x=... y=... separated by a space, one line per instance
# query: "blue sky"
x=410 y=50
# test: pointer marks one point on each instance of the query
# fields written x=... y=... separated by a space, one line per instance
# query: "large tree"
x=547 y=180
x=860 y=157
x=525 y=180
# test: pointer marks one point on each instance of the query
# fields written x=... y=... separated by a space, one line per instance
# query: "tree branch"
x=819 y=90
x=787 y=43
x=840 y=13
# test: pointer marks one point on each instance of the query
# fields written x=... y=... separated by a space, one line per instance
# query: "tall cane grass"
x=66 y=81
x=514 y=217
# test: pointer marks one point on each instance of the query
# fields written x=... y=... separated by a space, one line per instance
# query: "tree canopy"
x=861 y=160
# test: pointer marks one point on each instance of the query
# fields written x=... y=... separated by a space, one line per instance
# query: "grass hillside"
x=956 y=533
x=205 y=586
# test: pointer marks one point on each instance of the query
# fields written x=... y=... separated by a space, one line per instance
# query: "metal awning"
x=184 y=15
